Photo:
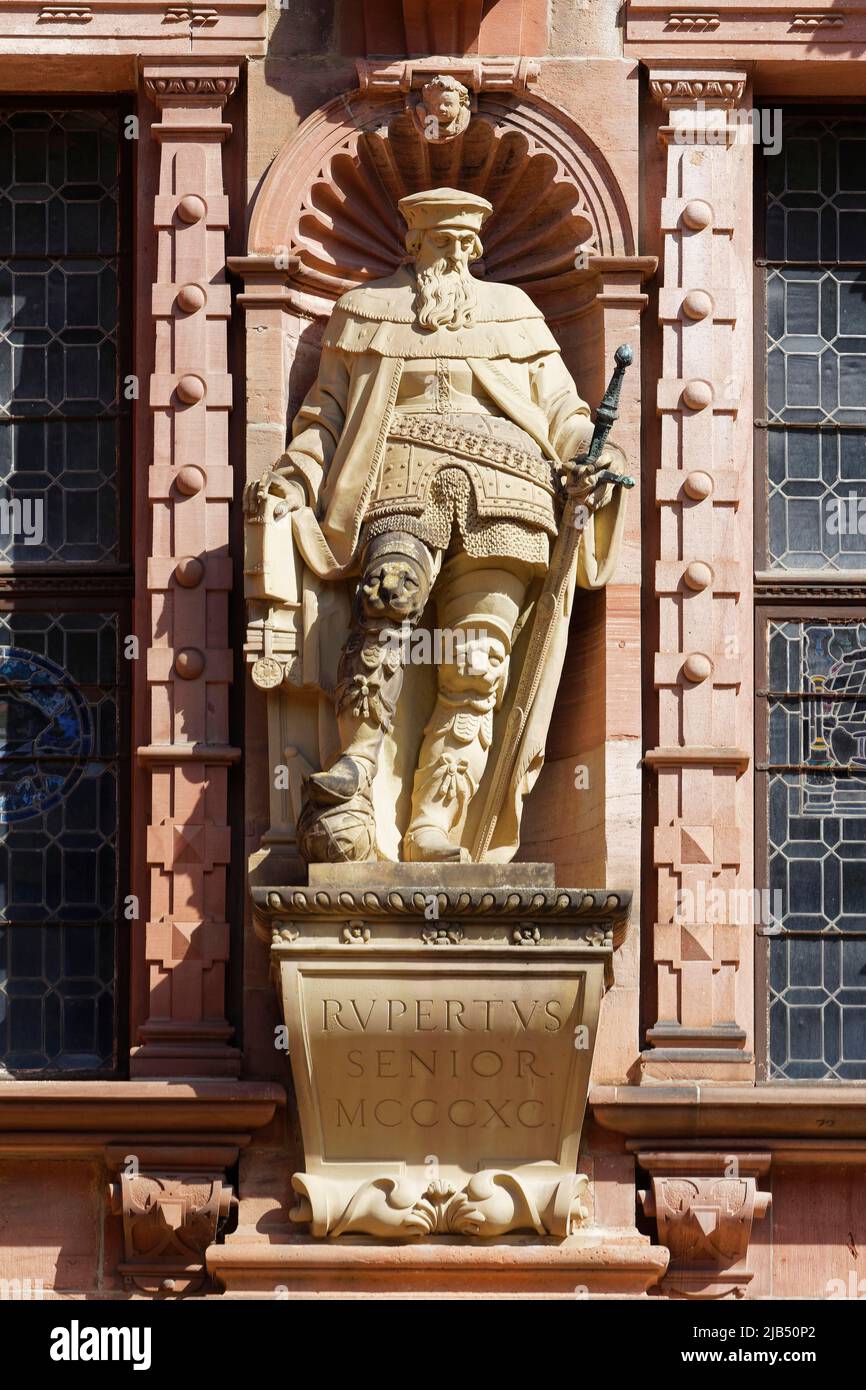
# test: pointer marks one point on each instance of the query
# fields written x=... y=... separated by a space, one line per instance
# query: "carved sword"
x=549 y=605
x=605 y=418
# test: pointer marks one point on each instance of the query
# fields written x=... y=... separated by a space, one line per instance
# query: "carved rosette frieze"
x=173 y=1204
x=189 y=659
x=451 y=918
x=703 y=575
x=705 y=1206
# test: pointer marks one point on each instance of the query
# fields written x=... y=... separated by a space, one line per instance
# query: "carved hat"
x=444 y=207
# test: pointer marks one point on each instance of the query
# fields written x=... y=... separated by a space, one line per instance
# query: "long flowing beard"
x=446 y=296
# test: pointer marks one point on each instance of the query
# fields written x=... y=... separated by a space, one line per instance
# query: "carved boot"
x=450 y=767
x=390 y=599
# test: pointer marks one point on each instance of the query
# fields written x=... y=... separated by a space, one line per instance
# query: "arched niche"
x=325 y=219
x=330 y=197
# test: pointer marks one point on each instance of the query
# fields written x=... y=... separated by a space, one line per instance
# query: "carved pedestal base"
x=441 y=1022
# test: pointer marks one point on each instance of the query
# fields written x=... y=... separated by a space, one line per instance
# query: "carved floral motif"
x=492 y=1203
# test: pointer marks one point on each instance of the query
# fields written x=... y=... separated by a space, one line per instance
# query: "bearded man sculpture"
x=428 y=469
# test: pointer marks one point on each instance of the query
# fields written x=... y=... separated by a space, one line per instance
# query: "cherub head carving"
x=443 y=111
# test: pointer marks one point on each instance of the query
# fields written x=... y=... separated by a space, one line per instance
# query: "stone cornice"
x=802 y=1120
x=755 y=30
x=151 y=29
x=81 y=1117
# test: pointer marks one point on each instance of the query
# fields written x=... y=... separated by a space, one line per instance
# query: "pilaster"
x=189 y=658
x=702 y=849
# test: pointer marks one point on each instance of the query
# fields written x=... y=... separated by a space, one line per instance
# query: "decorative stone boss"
x=437 y=476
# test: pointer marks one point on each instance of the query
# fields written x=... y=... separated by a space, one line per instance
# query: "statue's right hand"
x=274 y=483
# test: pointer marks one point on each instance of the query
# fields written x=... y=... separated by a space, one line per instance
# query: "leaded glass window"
x=815 y=297
x=816 y=832
x=64 y=587
x=811 y=634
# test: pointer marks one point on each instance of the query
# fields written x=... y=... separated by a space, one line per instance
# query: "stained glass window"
x=811 y=753
x=815 y=294
x=816 y=831
x=63 y=467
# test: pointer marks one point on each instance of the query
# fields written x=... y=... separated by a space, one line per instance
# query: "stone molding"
x=148 y=29
x=790 y=1121
x=756 y=30
x=678 y=87
x=79 y=1117
x=337 y=1269
x=491 y=903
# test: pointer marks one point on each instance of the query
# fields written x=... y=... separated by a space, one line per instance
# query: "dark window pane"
x=56 y=997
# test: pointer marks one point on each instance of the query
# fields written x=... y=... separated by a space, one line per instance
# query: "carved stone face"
x=446 y=248
x=393 y=588
x=447 y=293
x=443 y=111
x=445 y=105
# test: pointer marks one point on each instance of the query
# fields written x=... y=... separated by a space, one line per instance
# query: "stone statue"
x=444 y=111
x=426 y=480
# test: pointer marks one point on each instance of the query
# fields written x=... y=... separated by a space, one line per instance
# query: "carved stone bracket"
x=478 y=74
x=705 y=1205
x=172 y=1202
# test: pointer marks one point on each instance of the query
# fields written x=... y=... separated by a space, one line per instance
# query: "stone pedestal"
x=440 y=1023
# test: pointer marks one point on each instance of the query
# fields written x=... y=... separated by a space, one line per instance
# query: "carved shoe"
x=345 y=779
x=428 y=843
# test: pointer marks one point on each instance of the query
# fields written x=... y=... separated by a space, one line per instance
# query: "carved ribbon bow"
x=454 y=777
